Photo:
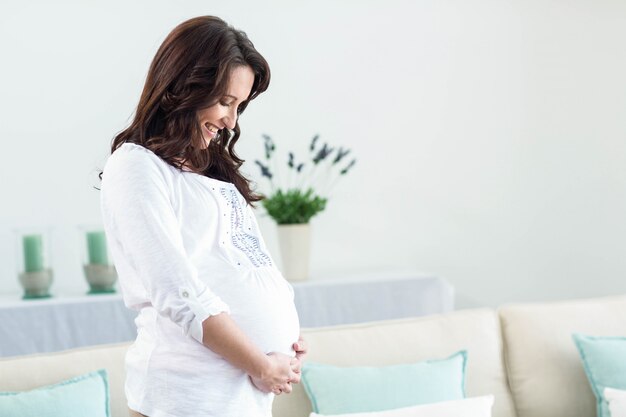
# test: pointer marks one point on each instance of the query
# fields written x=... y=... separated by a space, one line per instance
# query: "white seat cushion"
x=617 y=401
x=468 y=407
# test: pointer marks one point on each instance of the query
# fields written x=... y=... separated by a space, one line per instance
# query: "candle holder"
x=33 y=266
x=97 y=266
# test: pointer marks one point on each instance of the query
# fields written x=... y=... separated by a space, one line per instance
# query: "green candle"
x=33 y=253
x=97 y=247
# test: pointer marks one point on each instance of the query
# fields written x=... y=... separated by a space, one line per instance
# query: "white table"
x=65 y=322
x=370 y=297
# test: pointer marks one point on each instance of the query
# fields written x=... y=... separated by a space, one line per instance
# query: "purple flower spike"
x=341 y=153
x=313 y=141
x=265 y=171
x=346 y=169
x=322 y=154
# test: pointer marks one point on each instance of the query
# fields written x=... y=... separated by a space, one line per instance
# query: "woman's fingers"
x=288 y=372
x=300 y=347
x=283 y=368
x=295 y=379
x=284 y=388
x=296 y=365
x=295 y=372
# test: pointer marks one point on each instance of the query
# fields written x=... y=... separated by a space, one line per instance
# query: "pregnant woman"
x=217 y=329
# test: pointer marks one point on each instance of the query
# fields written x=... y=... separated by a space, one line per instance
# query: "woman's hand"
x=282 y=370
x=278 y=374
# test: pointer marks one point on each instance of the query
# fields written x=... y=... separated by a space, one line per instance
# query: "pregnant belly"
x=261 y=303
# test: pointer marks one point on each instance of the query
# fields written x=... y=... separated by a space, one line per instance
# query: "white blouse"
x=187 y=247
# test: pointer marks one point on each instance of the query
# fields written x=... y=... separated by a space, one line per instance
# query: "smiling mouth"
x=211 y=128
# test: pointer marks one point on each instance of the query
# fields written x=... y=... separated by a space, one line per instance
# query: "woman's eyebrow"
x=231 y=96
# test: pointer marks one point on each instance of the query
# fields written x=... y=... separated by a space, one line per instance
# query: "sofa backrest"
x=27 y=372
x=376 y=344
x=545 y=372
x=408 y=341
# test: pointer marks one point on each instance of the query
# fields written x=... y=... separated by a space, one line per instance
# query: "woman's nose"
x=230 y=120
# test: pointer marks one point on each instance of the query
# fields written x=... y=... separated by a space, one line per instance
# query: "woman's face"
x=223 y=114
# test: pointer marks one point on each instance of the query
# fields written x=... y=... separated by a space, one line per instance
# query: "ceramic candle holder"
x=33 y=262
x=97 y=265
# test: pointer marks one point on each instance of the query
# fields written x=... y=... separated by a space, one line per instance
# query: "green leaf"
x=294 y=206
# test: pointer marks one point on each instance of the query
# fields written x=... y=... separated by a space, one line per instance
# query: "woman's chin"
x=204 y=143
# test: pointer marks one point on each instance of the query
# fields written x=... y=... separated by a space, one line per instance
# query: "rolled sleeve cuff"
x=203 y=306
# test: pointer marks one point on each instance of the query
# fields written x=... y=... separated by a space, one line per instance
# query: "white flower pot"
x=295 y=248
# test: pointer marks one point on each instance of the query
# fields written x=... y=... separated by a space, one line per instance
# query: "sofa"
x=523 y=354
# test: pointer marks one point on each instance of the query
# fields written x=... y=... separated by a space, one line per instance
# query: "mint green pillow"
x=338 y=390
x=604 y=360
x=83 y=396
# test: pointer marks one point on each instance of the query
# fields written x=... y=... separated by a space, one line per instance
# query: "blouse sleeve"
x=142 y=220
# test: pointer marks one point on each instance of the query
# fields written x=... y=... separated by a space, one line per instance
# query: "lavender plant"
x=308 y=185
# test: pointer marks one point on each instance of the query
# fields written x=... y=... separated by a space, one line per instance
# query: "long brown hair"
x=189 y=72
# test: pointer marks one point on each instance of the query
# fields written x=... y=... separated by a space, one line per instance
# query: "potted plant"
x=302 y=194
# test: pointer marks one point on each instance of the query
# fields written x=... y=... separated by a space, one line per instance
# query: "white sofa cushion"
x=545 y=372
x=412 y=340
x=617 y=401
x=468 y=407
x=28 y=372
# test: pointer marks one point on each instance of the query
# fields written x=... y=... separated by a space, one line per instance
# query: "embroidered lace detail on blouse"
x=243 y=241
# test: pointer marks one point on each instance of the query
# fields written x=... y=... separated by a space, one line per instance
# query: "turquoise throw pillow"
x=604 y=359
x=339 y=390
x=85 y=395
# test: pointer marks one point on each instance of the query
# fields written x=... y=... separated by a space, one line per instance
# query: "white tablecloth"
x=33 y=326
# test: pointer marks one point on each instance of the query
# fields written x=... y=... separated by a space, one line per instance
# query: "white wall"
x=490 y=134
